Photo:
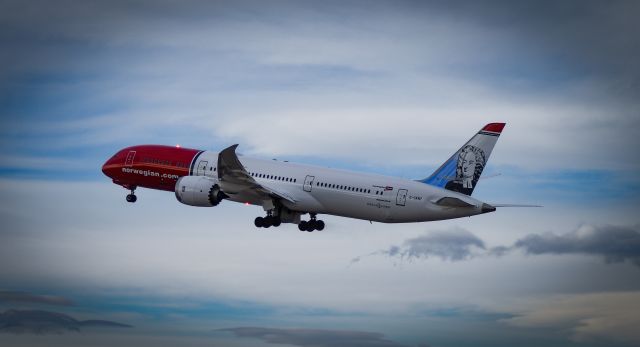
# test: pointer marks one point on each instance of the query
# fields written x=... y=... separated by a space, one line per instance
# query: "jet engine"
x=199 y=191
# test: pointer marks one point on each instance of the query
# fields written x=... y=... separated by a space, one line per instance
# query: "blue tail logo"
x=461 y=172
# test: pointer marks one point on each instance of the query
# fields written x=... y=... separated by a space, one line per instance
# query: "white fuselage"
x=344 y=193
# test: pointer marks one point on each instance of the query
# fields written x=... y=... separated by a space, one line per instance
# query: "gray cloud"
x=24 y=297
x=45 y=322
x=454 y=245
x=594 y=317
x=614 y=243
x=351 y=64
x=315 y=337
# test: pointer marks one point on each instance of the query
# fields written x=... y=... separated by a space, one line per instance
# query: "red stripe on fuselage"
x=153 y=166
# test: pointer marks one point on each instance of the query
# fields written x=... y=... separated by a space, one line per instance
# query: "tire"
x=302 y=226
x=319 y=225
x=311 y=226
x=258 y=222
x=131 y=198
x=277 y=221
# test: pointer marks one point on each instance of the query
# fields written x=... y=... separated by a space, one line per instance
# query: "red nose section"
x=108 y=166
x=104 y=168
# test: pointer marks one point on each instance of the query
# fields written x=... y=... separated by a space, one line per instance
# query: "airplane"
x=287 y=191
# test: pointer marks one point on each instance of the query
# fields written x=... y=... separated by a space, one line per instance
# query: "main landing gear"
x=268 y=221
x=132 y=197
x=311 y=225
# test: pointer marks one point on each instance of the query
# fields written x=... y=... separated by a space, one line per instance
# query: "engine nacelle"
x=198 y=191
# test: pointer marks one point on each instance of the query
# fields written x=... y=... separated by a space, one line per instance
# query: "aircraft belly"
x=351 y=205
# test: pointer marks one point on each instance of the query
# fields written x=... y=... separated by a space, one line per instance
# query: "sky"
x=388 y=87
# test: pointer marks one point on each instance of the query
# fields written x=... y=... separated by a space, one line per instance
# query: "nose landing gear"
x=132 y=197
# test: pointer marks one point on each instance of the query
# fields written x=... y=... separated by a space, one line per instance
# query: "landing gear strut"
x=268 y=221
x=132 y=197
x=311 y=225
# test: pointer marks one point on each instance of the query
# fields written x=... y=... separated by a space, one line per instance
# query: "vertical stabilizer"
x=462 y=171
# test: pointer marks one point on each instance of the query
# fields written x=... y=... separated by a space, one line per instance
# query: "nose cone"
x=105 y=169
x=108 y=167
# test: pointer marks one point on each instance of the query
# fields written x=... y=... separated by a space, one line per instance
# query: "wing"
x=235 y=179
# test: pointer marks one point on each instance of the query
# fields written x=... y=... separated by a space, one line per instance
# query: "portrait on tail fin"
x=470 y=163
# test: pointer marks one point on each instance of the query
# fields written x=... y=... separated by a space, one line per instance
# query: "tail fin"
x=461 y=172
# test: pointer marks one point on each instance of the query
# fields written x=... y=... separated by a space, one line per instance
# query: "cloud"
x=614 y=243
x=454 y=245
x=223 y=72
x=588 y=317
x=23 y=297
x=315 y=337
x=45 y=322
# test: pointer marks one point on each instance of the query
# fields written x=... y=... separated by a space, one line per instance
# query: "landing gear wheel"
x=319 y=225
x=302 y=226
x=311 y=226
x=258 y=222
x=276 y=221
x=131 y=198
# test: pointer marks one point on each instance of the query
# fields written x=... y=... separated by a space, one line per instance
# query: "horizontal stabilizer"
x=514 y=205
x=452 y=202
